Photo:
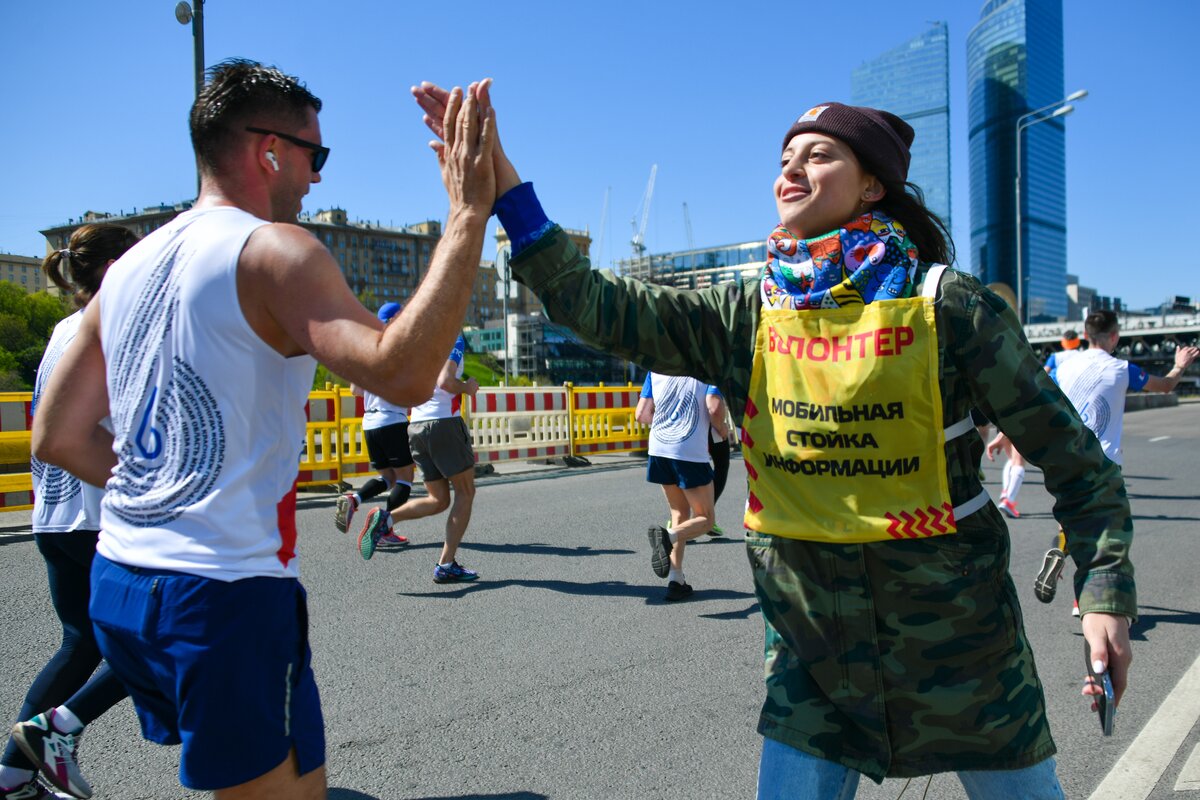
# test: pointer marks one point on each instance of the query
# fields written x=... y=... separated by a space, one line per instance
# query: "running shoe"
x=717 y=530
x=1046 y=583
x=53 y=752
x=392 y=537
x=347 y=504
x=678 y=591
x=1009 y=508
x=374 y=528
x=660 y=551
x=34 y=790
x=453 y=573
x=1075 y=609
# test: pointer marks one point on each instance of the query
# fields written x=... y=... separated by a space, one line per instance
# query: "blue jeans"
x=786 y=773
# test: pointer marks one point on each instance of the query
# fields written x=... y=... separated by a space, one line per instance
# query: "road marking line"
x=1189 y=776
x=1141 y=766
x=1159 y=439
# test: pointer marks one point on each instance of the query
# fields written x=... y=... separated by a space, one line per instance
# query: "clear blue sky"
x=95 y=98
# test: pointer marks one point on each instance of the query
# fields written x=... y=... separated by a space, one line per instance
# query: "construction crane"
x=687 y=225
x=639 y=232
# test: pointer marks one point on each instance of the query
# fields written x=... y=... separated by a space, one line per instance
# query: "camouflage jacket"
x=893 y=658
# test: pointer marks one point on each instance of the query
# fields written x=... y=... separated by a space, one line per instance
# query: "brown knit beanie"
x=879 y=139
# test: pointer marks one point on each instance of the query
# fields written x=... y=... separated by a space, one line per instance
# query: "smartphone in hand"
x=1106 y=702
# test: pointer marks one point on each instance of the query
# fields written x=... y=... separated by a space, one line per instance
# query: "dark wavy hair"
x=78 y=269
x=240 y=92
x=905 y=203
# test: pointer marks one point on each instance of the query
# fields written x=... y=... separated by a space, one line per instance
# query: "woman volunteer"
x=895 y=645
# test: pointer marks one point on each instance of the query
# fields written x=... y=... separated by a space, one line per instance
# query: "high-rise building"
x=913 y=82
x=1015 y=65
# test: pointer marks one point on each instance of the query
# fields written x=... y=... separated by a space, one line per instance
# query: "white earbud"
x=274 y=162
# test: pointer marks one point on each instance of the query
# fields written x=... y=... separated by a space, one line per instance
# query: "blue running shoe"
x=453 y=573
x=374 y=528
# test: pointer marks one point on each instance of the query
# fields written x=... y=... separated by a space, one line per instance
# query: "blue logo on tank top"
x=170 y=436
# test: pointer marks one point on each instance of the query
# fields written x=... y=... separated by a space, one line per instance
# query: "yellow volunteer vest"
x=843 y=437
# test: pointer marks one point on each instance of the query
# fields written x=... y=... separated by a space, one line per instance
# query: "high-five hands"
x=465 y=150
x=435 y=102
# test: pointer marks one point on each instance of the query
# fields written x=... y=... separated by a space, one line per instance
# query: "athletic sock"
x=446 y=565
x=672 y=535
x=1016 y=479
x=675 y=575
x=398 y=496
x=65 y=721
x=1004 y=479
x=12 y=777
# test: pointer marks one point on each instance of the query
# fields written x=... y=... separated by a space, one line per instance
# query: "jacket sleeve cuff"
x=522 y=217
x=1108 y=592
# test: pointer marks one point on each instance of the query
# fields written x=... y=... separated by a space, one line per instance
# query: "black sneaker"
x=660 y=551
x=1046 y=582
x=678 y=591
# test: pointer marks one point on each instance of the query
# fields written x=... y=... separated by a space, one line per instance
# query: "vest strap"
x=959 y=428
x=971 y=506
x=932 y=279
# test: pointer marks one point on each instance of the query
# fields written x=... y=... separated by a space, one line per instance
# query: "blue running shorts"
x=223 y=668
x=673 y=472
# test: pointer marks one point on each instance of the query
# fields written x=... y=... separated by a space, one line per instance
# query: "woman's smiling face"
x=821 y=185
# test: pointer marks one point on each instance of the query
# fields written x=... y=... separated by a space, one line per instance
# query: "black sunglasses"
x=320 y=153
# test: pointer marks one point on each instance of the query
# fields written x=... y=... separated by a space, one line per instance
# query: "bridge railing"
x=506 y=424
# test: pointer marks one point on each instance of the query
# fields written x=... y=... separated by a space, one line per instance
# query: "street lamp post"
x=194 y=14
x=1060 y=109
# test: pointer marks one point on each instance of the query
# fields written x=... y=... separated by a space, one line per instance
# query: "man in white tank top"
x=202 y=342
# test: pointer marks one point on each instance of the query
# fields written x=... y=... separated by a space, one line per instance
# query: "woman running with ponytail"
x=66 y=522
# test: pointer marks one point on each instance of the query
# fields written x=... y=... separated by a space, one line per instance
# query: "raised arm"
x=1184 y=357
x=296 y=299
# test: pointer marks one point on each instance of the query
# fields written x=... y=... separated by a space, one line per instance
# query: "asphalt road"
x=561 y=674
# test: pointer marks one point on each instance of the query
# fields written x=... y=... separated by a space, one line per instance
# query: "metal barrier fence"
x=506 y=424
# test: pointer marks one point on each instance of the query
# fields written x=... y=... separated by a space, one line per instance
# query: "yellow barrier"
x=16 y=487
x=602 y=420
x=506 y=424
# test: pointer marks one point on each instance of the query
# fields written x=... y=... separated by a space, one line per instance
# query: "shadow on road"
x=532 y=549
x=650 y=594
x=745 y=613
x=351 y=794
x=15 y=538
x=1148 y=622
x=1164 y=518
x=1162 y=496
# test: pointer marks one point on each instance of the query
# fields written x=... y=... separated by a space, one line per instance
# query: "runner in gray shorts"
x=441 y=447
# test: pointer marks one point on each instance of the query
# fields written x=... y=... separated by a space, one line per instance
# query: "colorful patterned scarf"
x=871 y=258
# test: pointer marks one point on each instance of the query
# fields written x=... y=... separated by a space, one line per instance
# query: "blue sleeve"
x=460 y=346
x=1050 y=362
x=713 y=390
x=522 y=217
x=1137 y=378
x=647 y=387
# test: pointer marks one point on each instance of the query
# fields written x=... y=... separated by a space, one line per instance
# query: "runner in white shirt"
x=680 y=412
x=202 y=342
x=1096 y=383
x=385 y=429
x=441 y=446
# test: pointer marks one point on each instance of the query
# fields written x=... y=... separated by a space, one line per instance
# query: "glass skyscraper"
x=1015 y=65
x=913 y=82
